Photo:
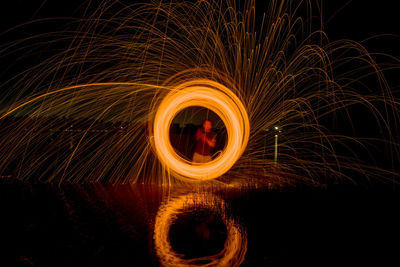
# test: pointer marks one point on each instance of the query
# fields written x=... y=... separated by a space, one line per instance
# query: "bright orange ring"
x=225 y=104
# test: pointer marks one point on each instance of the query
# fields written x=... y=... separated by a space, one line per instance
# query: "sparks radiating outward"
x=138 y=67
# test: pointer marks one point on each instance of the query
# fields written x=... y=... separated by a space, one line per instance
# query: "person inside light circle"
x=205 y=142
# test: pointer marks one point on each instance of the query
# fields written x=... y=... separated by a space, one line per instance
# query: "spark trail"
x=120 y=65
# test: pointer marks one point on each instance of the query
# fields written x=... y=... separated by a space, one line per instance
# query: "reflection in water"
x=142 y=225
x=235 y=246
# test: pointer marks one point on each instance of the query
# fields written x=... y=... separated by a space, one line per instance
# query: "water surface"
x=149 y=225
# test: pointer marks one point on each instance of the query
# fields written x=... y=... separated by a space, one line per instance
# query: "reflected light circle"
x=219 y=99
x=235 y=246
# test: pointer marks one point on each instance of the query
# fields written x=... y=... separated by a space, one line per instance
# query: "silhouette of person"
x=205 y=142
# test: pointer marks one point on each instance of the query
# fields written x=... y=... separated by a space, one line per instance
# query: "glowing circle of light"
x=219 y=99
x=235 y=246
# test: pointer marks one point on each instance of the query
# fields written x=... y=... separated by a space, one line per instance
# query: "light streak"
x=141 y=66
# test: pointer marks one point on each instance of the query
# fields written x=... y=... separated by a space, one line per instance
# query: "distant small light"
x=276 y=128
x=276 y=135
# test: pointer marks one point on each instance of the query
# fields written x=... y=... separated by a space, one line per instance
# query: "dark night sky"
x=357 y=20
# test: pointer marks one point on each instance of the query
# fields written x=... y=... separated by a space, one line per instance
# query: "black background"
x=355 y=19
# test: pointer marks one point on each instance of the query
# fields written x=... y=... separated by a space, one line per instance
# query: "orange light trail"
x=98 y=107
x=235 y=246
x=225 y=104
